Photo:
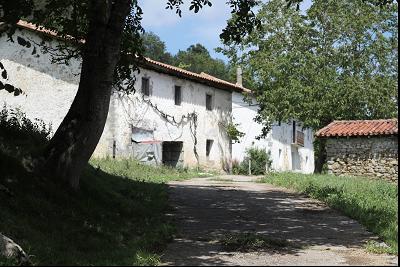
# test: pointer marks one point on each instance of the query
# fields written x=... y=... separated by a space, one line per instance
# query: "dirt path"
x=207 y=210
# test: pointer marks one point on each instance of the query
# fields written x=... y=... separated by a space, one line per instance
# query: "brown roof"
x=359 y=128
x=159 y=66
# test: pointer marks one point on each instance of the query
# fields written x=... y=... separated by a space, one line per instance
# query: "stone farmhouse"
x=362 y=148
x=174 y=117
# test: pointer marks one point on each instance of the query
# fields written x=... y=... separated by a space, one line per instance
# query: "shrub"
x=235 y=166
x=17 y=132
x=260 y=162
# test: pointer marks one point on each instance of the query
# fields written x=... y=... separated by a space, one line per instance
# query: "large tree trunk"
x=320 y=155
x=75 y=140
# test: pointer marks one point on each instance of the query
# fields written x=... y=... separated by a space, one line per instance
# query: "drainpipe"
x=239 y=76
x=114 y=148
x=250 y=166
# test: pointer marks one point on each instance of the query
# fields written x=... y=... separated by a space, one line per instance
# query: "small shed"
x=366 y=148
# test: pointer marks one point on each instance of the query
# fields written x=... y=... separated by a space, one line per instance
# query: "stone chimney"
x=239 y=76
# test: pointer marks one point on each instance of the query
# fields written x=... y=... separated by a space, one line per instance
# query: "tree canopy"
x=154 y=48
x=195 y=58
x=327 y=64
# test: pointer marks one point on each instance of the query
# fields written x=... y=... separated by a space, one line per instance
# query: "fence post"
x=249 y=166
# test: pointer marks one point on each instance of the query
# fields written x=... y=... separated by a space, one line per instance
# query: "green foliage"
x=373 y=203
x=328 y=64
x=197 y=59
x=260 y=162
x=233 y=132
x=19 y=136
x=140 y=172
x=155 y=48
x=373 y=246
x=7 y=262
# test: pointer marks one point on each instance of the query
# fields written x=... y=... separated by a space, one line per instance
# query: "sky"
x=179 y=33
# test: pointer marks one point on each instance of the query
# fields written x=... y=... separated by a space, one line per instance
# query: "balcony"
x=298 y=139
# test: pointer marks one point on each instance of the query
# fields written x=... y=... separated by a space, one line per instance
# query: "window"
x=208 y=147
x=146 y=86
x=208 y=102
x=178 y=95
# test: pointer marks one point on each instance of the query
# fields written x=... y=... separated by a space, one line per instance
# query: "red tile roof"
x=158 y=66
x=359 y=128
x=185 y=74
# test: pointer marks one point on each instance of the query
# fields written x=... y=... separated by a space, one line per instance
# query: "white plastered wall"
x=278 y=141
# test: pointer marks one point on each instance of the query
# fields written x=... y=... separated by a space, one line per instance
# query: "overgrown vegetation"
x=373 y=203
x=140 y=172
x=249 y=242
x=258 y=159
x=234 y=134
x=116 y=218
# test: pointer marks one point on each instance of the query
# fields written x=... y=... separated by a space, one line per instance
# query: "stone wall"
x=375 y=157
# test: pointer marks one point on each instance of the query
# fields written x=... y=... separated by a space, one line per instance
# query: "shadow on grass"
x=111 y=221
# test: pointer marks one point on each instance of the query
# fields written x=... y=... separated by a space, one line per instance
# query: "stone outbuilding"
x=366 y=148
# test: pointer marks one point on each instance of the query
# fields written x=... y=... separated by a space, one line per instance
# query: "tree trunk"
x=75 y=140
x=320 y=155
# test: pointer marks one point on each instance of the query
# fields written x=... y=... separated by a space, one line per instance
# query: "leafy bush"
x=233 y=132
x=235 y=166
x=258 y=159
x=17 y=132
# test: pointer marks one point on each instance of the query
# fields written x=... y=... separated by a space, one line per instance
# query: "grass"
x=114 y=219
x=140 y=172
x=250 y=242
x=373 y=203
x=118 y=217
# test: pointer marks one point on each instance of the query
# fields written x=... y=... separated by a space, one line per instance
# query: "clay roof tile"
x=360 y=128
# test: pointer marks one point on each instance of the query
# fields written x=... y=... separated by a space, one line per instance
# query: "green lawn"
x=117 y=217
x=371 y=202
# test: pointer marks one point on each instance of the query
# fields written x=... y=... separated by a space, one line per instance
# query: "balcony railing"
x=299 y=139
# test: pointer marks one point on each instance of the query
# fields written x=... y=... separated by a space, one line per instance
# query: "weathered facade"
x=174 y=117
x=362 y=148
x=289 y=144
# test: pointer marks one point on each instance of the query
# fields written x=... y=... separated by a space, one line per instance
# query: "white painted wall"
x=49 y=90
x=128 y=111
x=278 y=141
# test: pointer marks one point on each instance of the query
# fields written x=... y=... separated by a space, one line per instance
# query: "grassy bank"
x=373 y=203
x=139 y=172
x=117 y=217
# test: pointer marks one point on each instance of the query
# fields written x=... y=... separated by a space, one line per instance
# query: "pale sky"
x=179 y=33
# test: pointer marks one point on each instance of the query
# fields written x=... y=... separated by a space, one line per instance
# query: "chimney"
x=239 y=76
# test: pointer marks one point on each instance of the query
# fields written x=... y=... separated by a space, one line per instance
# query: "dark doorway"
x=172 y=154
